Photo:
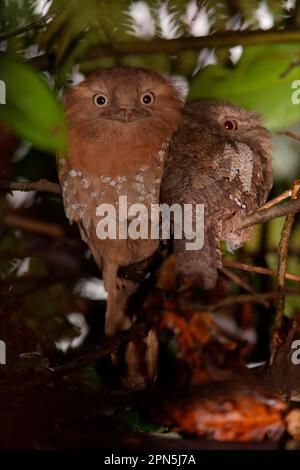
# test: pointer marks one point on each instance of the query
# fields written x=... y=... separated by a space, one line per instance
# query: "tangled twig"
x=258 y=270
x=282 y=262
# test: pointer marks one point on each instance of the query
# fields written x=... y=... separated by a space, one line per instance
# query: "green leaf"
x=256 y=83
x=32 y=110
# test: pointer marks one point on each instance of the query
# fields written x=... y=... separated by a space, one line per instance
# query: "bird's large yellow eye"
x=147 y=98
x=100 y=99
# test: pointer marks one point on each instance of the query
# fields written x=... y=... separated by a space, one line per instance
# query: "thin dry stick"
x=290 y=134
x=247 y=298
x=258 y=270
x=241 y=282
x=242 y=299
x=238 y=280
x=32 y=225
x=41 y=185
x=282 y=262
x=107 y=346
x=259 y=217
x=285 y=195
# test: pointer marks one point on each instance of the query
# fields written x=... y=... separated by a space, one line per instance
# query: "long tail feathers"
x=201 y=264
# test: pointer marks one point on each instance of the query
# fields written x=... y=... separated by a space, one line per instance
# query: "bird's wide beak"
x=124 y=114
x=128 y=115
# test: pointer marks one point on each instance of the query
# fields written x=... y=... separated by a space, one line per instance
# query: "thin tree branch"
x=258 y=270
x=265 y=213
x=174 y=46
x=247 y=298
x=285 y=195
x=282 y=262
x=290 y=134
x=238 y=280
x=242 y=299
x=32 y=225
x=242 y=283
x=259 y=217
x=41 y=185
x=33 y=25
x=107 y=346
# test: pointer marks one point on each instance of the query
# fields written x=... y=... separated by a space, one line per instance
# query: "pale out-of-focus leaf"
x=257 y=83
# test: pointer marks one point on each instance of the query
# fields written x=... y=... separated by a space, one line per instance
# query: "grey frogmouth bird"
x=220 y=157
